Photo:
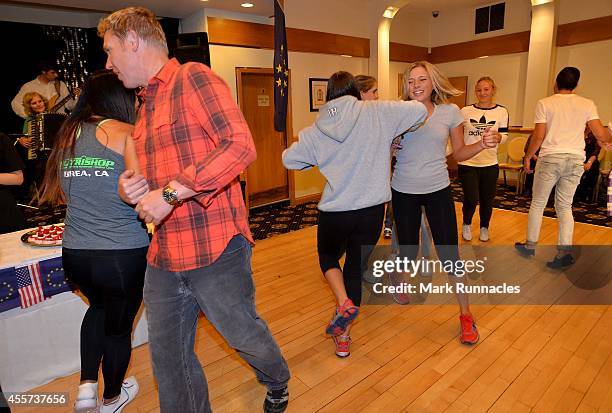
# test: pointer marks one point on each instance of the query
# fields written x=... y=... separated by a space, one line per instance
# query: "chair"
x=515 y=161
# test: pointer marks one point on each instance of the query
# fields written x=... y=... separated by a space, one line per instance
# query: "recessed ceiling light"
x=247 y=5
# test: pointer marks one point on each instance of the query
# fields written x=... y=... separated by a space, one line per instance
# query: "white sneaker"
x=129 y=390
x=87 y=398
x=466 y=233
x=484 y=234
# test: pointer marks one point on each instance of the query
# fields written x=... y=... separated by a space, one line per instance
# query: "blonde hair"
x=487 y=79
x=365 y=82
x=138 y=19
x=27 y=99
x=442 y=91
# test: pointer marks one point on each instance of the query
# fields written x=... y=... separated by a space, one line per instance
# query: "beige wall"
x=577 y=10
x=46 y=16
x=224 y=60
x=457 y=26
x=347 y=17
x=411 y=27
x=595 y=63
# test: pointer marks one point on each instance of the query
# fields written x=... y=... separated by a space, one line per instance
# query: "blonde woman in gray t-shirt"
x=421 y=176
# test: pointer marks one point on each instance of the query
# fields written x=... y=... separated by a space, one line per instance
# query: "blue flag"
x=281 y=69
x=9 y=294
x=52 y=277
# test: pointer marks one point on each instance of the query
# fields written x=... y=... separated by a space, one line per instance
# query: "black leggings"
x=440 y=212
x=112 y=281
x=479 y=184
x=349 y=231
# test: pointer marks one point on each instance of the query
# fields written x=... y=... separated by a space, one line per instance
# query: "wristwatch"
x=170 y=196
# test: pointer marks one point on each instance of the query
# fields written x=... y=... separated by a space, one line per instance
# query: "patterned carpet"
x=272 y=220
x=277 y=219
x=506 y=198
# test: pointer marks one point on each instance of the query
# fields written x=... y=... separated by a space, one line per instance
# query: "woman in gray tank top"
x=104 y=247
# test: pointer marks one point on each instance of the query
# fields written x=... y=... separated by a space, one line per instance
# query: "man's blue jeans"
x=562 y=172
x=224 y=291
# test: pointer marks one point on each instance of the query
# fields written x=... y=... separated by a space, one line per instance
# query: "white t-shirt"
x=45 y=90
x=476 y=120
x=565 y=116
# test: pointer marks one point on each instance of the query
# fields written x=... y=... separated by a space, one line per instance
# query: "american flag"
x=29 y=285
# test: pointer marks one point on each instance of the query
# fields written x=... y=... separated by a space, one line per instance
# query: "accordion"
x=43 y=130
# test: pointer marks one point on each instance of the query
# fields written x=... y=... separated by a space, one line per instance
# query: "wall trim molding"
x=491 y=46
x=584 y=31
x=229 y=32
x=256 y=35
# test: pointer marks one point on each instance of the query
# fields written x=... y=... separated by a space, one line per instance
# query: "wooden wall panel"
x=498 y=45
x=246 y=34
x=399 y=52
x=238 y=33
x=585 y=31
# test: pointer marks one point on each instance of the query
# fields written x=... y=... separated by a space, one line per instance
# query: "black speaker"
x=190 y=47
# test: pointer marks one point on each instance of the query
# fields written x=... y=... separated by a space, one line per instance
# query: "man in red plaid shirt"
x=192 y=143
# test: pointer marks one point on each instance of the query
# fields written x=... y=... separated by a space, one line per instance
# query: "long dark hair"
x=103 y=97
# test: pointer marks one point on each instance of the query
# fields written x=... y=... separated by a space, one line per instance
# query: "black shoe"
x=276 y=401
x=521 y=247
x=559 y=263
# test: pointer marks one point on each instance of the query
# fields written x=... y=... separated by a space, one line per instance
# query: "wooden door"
x=266 y=178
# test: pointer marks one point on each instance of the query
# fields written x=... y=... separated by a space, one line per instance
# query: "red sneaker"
x=343 y=346
x=342 y=318
x=401 y=298
x=469 y=332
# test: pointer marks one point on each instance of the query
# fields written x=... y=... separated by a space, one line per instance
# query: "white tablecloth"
x=41 y=343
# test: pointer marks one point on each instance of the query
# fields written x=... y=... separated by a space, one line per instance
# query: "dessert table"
x=40 y=343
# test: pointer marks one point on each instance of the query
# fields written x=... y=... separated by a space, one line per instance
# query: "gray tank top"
x=96 y=217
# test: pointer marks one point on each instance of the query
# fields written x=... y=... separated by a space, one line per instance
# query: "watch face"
x=170 y=196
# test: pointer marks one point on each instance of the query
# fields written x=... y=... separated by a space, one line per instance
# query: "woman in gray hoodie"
x=350 y=143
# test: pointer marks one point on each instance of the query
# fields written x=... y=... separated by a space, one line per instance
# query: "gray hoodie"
x=350 y=143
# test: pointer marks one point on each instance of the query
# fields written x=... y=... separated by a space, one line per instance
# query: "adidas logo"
x=480 y=125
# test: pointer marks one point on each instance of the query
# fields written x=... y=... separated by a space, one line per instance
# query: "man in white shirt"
x=560 y=120
x=48 y=86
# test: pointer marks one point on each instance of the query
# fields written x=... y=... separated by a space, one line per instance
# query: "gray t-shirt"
x=421 y=163
x=96 y=217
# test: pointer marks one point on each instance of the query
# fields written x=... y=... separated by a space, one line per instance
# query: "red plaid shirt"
x=189 y=129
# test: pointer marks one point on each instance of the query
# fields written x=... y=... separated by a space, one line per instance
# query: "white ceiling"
x=183 y=8
x=165 y=8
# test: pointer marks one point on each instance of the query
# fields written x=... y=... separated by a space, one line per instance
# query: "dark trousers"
x=440 y=212
x=588 y=182
x=225 y=292
x=112 y=281
x=479 y=184
x=355 y=232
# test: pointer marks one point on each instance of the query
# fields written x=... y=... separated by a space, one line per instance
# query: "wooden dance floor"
x=406 y=358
